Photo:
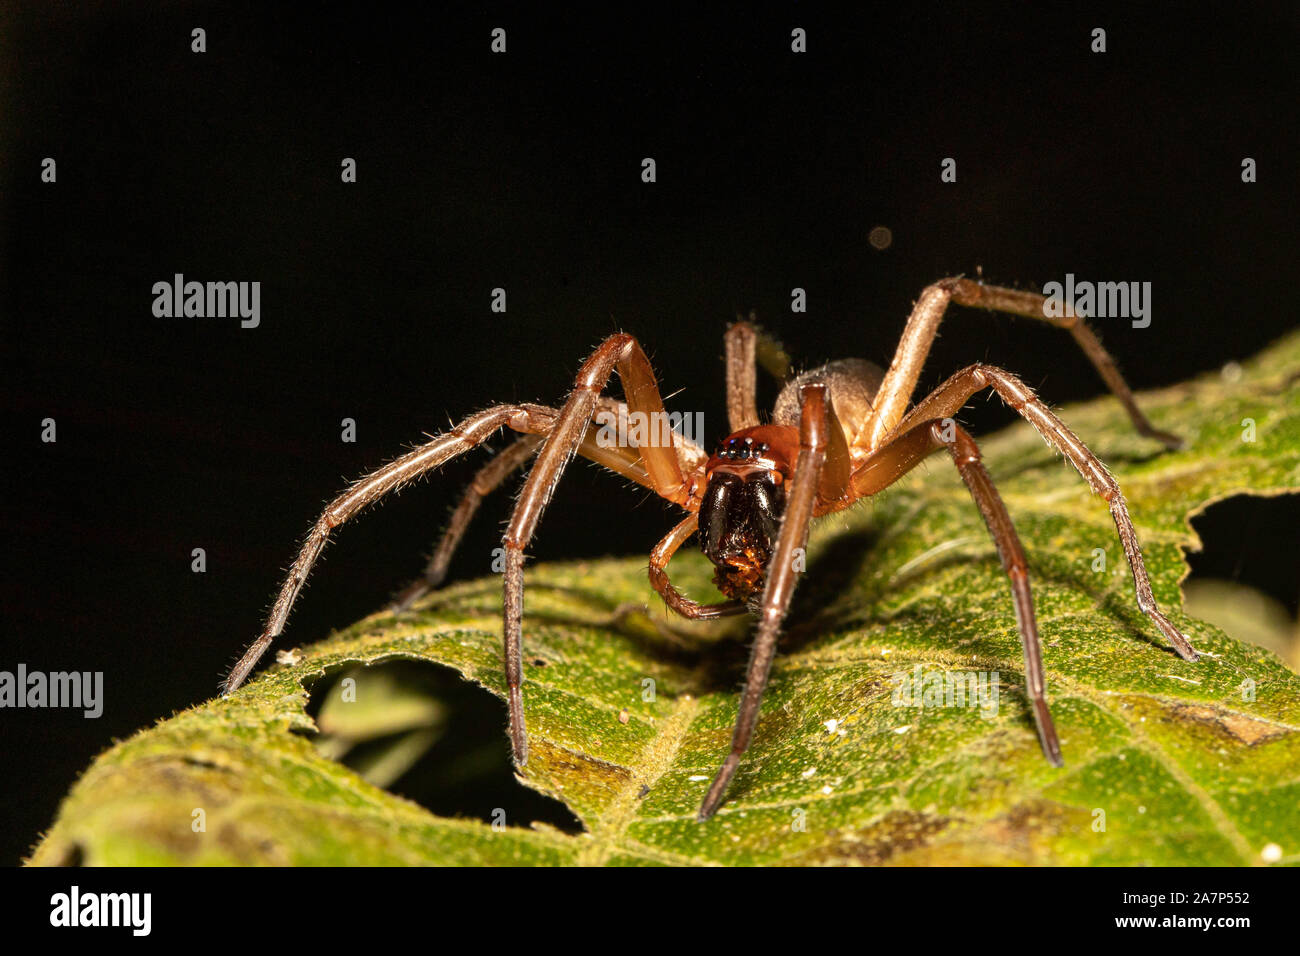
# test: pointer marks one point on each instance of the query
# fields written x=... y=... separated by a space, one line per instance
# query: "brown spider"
x=838 y=434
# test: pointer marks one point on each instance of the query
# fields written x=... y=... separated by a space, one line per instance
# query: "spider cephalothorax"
x=740 y=513
x=837 y=434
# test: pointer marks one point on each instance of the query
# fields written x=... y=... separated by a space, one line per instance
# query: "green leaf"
x=1183 y=765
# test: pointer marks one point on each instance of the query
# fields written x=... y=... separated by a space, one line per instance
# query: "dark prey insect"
x=838 y=434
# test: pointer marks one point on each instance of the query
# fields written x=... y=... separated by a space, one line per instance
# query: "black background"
x=1086 y=903
x=523 y=171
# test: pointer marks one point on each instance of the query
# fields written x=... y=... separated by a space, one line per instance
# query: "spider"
x=837 y=434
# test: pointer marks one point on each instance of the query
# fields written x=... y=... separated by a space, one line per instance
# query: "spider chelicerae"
x=837 y=434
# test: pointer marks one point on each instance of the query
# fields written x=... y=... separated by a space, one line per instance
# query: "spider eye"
x=742 y=449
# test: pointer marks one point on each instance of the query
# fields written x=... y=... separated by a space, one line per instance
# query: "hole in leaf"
x=1246 y=578
x=423 y=732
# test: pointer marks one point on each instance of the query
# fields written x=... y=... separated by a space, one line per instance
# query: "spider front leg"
x=815 y=423
x=947 y=400
x=620 y=459
x=469 y=434
x=661 y=464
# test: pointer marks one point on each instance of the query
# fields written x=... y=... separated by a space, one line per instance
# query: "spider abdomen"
x=852 y=384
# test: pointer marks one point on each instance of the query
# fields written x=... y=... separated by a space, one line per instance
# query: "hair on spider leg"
x=837 y=434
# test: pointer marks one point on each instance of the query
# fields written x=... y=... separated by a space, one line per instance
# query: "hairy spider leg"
x=923 y=324
x=947 y=400
x=815 y=423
